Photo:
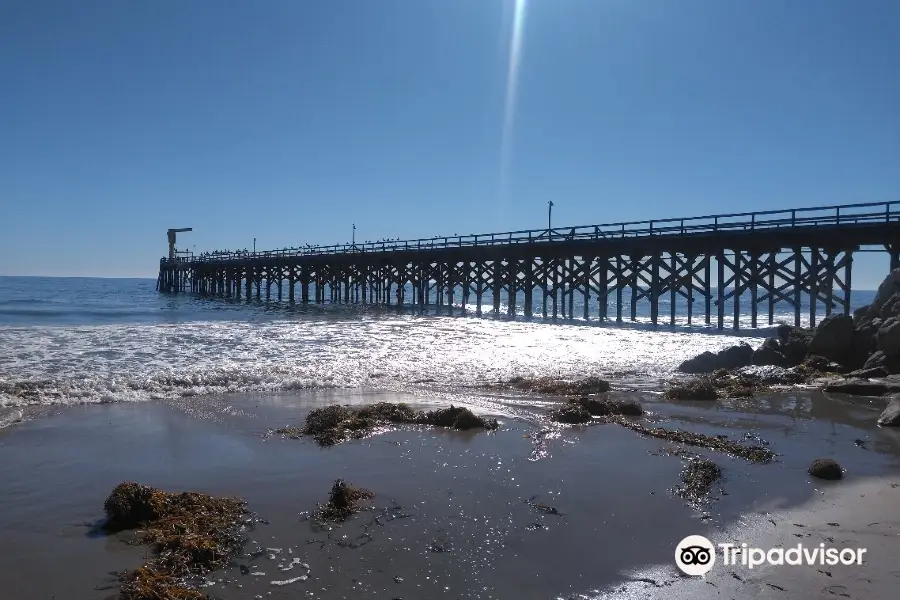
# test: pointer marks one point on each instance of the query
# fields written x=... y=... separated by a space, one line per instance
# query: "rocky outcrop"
x=864 y=346
x=876 y=330
x=891 y=414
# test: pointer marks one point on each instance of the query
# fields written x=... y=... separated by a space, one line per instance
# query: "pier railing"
x=847 y=214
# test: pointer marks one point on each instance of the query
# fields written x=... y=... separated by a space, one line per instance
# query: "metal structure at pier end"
x=716 y=262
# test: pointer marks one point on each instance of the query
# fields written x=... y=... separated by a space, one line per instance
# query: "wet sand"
x=451 y=517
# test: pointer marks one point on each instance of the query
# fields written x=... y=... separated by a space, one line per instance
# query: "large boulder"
x=891 y=414
x=888 y=336
x=735 y=356
x=703 y=363
x=888 y=287
x=769 y=354
x=832 y=337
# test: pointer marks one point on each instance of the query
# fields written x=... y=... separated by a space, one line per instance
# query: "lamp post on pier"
x=254 y=245
x=549 y=217
x=353 y=242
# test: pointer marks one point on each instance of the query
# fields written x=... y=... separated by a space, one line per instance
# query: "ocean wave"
x=103 y=363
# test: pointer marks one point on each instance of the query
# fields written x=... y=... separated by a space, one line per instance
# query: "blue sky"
x=289 y=120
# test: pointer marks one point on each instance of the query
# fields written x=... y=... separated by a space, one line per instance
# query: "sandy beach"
x=455 y=512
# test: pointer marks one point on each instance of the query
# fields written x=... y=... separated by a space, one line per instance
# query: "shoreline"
x=465 y=492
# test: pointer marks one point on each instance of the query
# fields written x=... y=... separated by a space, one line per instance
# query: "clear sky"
x=288 y=120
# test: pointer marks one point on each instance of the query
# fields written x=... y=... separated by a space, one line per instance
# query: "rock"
x=832 y=337
x=862 y=345
x=629 y=408
x=784 y=332
x=735 y=356
x=891 y=308
x=862 y=314
x=891 y=364
x=862 y=387
x=795 y=350
x=874 y=372
x=889 y=286
x=701 y=388
x=825 y=468
x=768 y=354
x=703 y=363
x=891 y=415
x=877 y=359
x=888 y=336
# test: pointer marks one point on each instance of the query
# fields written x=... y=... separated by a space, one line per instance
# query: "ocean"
x=84 y=340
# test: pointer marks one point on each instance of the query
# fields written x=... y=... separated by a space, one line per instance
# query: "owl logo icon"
x=695 y=555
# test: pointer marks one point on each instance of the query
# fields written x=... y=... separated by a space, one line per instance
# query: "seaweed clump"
x=455 y=417
x=343 y=501
x=721 y=384
x=549 y=385
x=698 y=477
x=581 y=410
x=334 y=424
x=146 y=583
x=189 y=533
x=701 y=388
x=752 y=453
x=572 y=414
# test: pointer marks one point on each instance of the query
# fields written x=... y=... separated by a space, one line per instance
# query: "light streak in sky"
x=512 y=88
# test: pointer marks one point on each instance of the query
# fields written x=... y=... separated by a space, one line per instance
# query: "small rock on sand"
x=826 y=468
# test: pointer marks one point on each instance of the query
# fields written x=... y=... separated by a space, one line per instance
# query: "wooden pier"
x=715 y=262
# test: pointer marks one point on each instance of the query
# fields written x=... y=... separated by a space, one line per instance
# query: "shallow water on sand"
x=465 y=529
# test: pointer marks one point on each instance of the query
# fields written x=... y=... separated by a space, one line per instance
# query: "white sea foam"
x=131 y=362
